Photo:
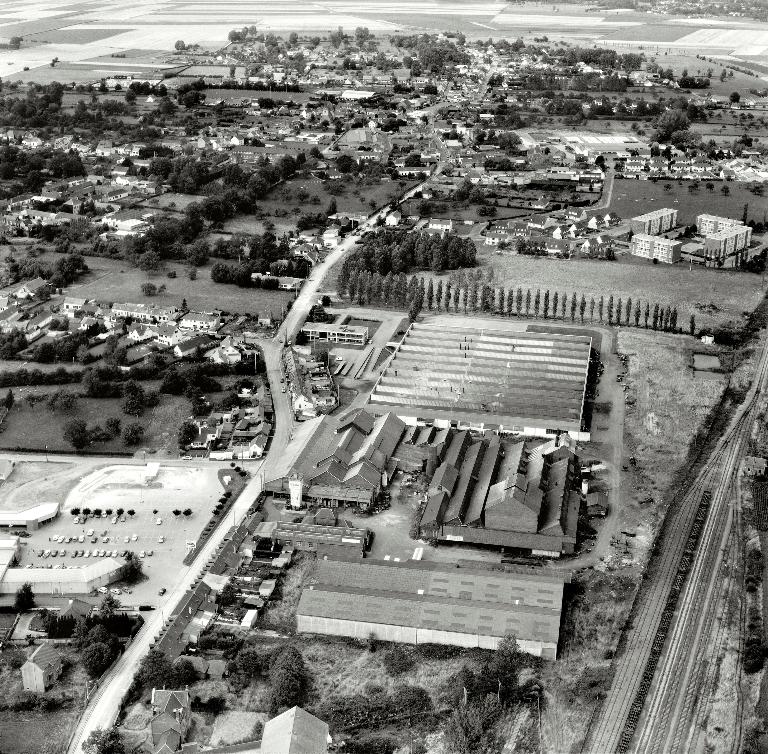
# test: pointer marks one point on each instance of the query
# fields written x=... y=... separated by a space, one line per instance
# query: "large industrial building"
x=524 y=497
x=420 y=602
x=657 y=248
x=351 y=469
x=487 y=379
x=654 y=223
x=72 y=580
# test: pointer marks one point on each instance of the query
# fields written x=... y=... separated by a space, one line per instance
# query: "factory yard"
x=153 y=493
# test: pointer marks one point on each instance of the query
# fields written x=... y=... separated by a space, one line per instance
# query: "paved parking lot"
x=153 y=493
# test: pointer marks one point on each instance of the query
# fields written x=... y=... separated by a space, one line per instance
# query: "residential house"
x=224 y=355
x=42 y=669
x=200 y=322
x=72 y=305
x=171 y=719
x=31 y=288
x=295 y=731
x=192 y=346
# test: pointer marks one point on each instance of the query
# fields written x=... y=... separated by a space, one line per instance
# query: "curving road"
x=105 y=703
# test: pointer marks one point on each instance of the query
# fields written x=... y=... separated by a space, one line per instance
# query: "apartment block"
x=654 y=223
x=727 y=242
x=664 y=250
x=707 y=225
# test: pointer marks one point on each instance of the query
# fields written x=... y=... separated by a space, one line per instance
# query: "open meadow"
x=115 y=280
x=35 y=426
x=712 y=296
x=633 y=197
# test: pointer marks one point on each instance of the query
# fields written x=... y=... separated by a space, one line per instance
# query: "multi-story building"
x=658 y=248
x=654 y=223
x=707 y=225
x=352 y=334
x=724 y=243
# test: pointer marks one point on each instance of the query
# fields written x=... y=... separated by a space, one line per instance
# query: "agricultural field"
x=632 y=197
x=712 y=296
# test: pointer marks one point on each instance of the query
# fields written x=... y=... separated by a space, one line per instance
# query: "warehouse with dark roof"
x=523 y=497
x=421 y=602
x=487 y=379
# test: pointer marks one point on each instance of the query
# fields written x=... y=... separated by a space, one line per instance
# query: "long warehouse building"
x=487 y=379
x=419 y=602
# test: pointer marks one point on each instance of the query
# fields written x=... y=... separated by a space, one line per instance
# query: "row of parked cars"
x=81 y=553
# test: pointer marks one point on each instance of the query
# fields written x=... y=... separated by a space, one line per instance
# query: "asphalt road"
x=104 y=706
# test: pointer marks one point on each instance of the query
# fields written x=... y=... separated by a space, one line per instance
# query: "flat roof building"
x=350 y=334
x=654 y=223
x=30 y=518
x=487 y=379
x=420 y=602
x=709 y=224
x=726 y=242
x=72 y=580
x=656 y=248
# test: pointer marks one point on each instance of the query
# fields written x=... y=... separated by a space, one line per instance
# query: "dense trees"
x=24 y=599
x=393 y=252
x=289 y=679
x=104 y=742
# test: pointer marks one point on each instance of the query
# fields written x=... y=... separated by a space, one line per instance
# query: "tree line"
x=474 y=296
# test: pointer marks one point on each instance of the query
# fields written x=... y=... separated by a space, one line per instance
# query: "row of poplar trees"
x=415 y=294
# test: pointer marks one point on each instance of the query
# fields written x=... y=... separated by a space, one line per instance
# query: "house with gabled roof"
x=42 y=669
x=170 y=721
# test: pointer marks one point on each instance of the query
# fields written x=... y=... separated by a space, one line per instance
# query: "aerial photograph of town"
x=384 y=378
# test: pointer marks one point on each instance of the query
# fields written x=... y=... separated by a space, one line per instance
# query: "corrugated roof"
x=517 y=379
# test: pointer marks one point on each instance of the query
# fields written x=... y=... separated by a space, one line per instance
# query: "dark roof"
x=526 y=602
x=45 y=656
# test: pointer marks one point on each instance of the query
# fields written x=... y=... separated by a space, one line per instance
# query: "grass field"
x=631 y=198
x=712 y=296
x=671 y=403
x=38 y=427
x=113 y=280
x=35 y=732
x=356 y=197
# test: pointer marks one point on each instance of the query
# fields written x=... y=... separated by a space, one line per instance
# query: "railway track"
x=657 y=667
